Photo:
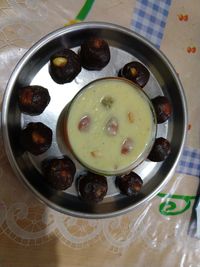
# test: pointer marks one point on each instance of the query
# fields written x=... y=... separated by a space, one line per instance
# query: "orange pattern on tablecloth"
x=183 y=17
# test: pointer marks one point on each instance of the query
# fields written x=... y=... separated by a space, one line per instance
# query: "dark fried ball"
x=95 y=54
x=162 y=108
x=135 y=72
x=64 y=66
x=92 y=187
x=129 y=184
x=33 y=99
x=161 y=150
x=36 y=138
x=59 y=172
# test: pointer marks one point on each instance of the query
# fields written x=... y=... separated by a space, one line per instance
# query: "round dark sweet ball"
x=94 y=53
x=92 y=187
x=36 y=138
x=64 y=66
x=160 y=150
x=129 y=184
x=59 y=172
x=33 y=99
x=163 y=108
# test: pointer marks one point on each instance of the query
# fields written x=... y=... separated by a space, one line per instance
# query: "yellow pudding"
x=110 y=126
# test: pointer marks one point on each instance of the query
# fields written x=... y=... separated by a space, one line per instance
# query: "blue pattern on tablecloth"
x=149 y=19
x=189 y=162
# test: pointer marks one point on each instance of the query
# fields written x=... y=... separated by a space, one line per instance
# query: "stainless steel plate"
x=33 y=69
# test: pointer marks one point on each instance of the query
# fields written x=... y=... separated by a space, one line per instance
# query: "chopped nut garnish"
x=115 y=167
x=127 y=146
x=107 y=102
x=112 y=126
x=60 y=61
x=133 y=71
x=96 y=154
x=37 y=138
x=84 y=123
x=98 y=43
x=130 y=117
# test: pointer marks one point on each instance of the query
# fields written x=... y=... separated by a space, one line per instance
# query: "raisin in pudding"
x=110 y=126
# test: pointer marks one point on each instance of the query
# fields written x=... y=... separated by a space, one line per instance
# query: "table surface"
x=160 y=232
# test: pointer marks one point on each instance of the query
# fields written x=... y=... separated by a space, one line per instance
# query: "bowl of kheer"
x=110 y=126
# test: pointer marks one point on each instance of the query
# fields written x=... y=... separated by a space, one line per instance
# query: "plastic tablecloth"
x=162 y=231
